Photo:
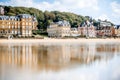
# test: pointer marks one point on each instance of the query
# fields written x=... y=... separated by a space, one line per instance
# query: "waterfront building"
x=104 y=29
x=59 y=29
x=87 y=29
x=19 y=25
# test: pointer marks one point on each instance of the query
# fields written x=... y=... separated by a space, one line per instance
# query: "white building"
x=59 y=29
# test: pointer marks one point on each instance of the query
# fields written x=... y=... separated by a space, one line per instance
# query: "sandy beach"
x=49 y=40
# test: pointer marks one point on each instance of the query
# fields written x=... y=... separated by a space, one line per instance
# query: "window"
x=15 y=32
x=5 y=32
x=8 y=31
x=19 y=32
x=23 y=26
x=26 y=23
x=9 y=26
x=18 y=27
x=29 y=23
x=27 y=27
x=30 y=27
x=12 y=32
x=12 y=26
x=27 y=31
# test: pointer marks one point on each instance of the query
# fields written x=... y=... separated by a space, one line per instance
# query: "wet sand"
x=48 y=40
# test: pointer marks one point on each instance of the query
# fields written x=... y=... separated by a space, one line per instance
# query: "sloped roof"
x=24 y=16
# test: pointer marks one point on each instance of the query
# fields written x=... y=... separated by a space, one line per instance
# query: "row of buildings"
x=85 y=29
x=19 y=25
x=23 y=24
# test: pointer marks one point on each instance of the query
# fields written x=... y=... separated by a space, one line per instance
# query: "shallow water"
x=69 y=61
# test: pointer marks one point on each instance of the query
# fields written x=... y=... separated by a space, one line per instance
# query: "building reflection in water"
x=56 y=57
x=18 y=55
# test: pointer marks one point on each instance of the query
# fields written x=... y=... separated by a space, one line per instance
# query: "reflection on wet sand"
x=55 y=57
x=108 y=48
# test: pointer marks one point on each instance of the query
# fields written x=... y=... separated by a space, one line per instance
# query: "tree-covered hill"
x=44 y=18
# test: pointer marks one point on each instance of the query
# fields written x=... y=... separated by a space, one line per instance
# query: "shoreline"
x=49 y=40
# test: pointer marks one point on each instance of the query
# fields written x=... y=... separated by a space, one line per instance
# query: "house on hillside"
x=87 y=29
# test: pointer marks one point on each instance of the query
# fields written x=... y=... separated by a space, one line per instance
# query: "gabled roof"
x=24 y=16
x=9 y=18
x=4 y=17
x=63 y=23
x=105 y=23
x=85 y=23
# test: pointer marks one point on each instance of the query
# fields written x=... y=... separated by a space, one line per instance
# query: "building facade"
x=59 y=29
x=87 y=29
x=20 y=25
x=104 y=29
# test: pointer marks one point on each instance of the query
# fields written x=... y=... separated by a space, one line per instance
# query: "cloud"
x=61 y=5
x=103 y=17
x=115 y=12
x=26 y=3
x=115 y=7
x=79 y=4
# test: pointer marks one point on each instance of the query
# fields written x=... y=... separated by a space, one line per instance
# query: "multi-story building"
x=20 y=25
x=87 y=29
x=59 y=29
x=104 y=29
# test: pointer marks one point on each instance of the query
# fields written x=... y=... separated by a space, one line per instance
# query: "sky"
x=97 y=9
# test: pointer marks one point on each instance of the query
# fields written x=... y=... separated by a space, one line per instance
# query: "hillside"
x=44 y=18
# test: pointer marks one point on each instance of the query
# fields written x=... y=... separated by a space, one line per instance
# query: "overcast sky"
x=102 y=9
